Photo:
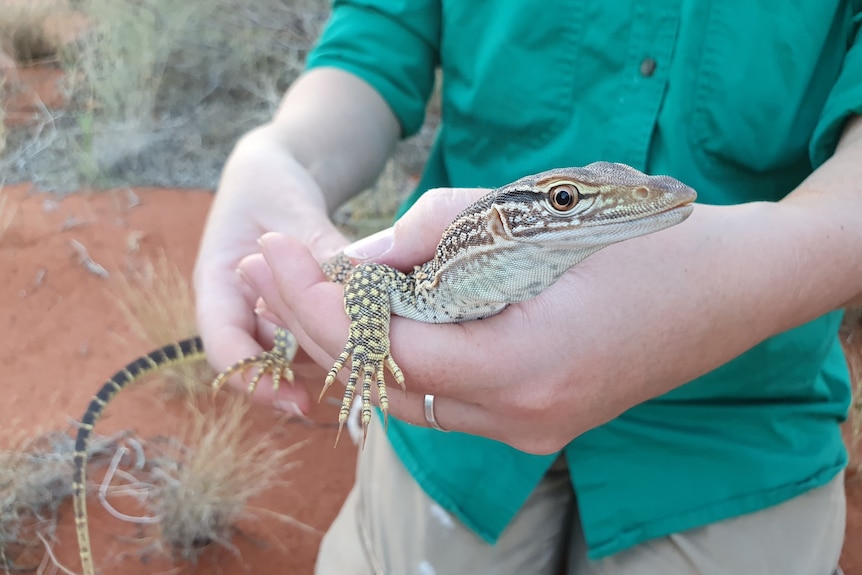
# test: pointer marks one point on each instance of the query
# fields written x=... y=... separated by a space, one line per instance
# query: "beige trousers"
x=388 y=525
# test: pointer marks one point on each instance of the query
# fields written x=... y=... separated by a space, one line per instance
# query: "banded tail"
x=190 y=349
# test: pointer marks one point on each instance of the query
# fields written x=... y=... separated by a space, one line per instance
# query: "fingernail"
x=263 y=312
x=373 y=246
x=288 y=407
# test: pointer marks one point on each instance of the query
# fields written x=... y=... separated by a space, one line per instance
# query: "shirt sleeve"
x=844 y=100
x=391 y=44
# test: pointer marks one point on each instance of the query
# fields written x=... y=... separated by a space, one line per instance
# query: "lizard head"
x=589 y=207
x=519 y=239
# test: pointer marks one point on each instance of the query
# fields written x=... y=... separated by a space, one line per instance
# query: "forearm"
x=629 y=323
x=737 y=275
x=832 y=199
x=338 y=128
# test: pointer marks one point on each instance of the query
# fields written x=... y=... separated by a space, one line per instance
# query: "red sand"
x=65 y=334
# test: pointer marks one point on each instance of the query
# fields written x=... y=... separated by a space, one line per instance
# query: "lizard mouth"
x=683 y=208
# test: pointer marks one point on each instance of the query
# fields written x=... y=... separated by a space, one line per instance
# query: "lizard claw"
x=367 y=303
x=370 y=370
x=276 y=361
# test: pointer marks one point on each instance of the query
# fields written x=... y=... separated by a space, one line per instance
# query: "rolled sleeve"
x=844 y=100
x=392 y=45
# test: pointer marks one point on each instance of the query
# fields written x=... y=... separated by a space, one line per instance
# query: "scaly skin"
x=507 y=247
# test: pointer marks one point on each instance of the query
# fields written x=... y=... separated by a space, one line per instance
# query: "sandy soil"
x=63 y=334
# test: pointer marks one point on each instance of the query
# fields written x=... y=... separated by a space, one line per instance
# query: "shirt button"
x=647 y=67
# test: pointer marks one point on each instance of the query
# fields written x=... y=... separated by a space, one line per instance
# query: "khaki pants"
x=388 y=525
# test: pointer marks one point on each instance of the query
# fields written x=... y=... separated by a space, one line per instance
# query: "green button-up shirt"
x=739 y=99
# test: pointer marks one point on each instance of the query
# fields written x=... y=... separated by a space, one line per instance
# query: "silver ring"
x=429 y=413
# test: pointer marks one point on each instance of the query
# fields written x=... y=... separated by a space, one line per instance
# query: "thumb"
x=319 y=235
x=414 y=237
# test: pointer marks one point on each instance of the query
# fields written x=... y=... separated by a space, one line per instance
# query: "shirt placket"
x=644 y=81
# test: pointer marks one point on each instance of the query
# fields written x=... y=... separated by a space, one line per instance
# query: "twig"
x=103 y=493
x=285 y=519
x=50 y=553
x=85 y=260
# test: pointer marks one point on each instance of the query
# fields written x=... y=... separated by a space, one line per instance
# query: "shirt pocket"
x=507 y=78
x=763 y=80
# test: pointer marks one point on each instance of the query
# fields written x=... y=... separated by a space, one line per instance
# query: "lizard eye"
x=564 y=197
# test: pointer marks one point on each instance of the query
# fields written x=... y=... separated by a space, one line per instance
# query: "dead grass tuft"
x=158 y=303
x=159 y=75
x=35 y=479
x=27 y=31
x=2 y=112
x=7 y=213
x=852 y=340
x=203 y=490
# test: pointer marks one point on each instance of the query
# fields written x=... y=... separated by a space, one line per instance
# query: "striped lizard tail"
x=178 y=352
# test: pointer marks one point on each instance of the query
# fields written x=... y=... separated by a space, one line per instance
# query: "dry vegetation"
x=198 y=489
x=157 y=301
x=35 y=479
x=186 y=76
x=29 y=29
x=194 y=490
x=852 y=339
x=7 y=213
x=2 y=110
x=160 y=91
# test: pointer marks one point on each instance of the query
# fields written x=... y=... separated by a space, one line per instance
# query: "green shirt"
x=739 y=99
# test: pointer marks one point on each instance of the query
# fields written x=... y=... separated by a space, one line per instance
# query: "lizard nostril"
x=641 y=193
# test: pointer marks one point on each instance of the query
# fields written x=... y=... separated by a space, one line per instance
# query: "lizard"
x=506 y=247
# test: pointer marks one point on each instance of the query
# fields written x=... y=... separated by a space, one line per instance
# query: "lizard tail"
x=186 y=350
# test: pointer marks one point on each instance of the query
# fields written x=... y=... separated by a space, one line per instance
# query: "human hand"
x=262 y=188
x=329 y=140
x=631 y=322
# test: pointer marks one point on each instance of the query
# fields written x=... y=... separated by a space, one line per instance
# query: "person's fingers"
x=451 y=414
x=224 y=316
x=414 y=237
x=298 y=294
x=297 y=291
x=282 y=275
x=475 y=419
x=231 y=331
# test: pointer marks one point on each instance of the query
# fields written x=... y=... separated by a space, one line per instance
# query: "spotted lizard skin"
x=506 y=247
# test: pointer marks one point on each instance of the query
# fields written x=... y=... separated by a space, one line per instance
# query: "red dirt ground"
x=63 y=334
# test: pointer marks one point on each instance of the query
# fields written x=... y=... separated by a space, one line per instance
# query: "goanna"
x=506 y=247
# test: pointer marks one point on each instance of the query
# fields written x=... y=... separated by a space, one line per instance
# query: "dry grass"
x=26 y=29
x=35 y=479
x=374 y=209
x=852 y=340
x=159 y=92
x=203 y=488
x=157 y=74
x=158 y=303
x=2 y=115
x=7 y=213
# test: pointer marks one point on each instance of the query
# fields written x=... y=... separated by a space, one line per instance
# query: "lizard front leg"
x=275 y=361
x=367 y=303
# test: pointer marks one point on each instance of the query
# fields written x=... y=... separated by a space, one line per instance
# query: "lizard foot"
x=370 y=369
x=367 y=303
x=275 y=361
